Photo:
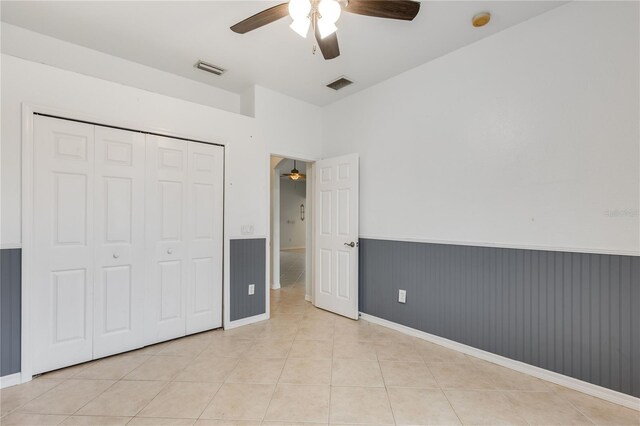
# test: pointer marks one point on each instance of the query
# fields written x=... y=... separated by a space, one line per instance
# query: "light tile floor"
x=303 y=366
x=292 y=267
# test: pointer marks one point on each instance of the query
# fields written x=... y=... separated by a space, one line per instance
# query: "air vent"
x=340 y=83
x=213 y=69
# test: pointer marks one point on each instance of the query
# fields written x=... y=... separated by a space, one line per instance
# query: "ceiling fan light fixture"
x=329 y=10
x=326 y=28
x=301 y=26
x=299 y=9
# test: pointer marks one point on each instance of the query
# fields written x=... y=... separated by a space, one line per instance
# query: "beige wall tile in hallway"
x=304 y=368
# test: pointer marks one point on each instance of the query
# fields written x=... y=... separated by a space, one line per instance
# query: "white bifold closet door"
x=63 y=243
x=205 y=197
x=184 y=237
x=119 y=215
x=127 y=241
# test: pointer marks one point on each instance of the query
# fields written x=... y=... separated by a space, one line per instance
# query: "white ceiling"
x=173 y=35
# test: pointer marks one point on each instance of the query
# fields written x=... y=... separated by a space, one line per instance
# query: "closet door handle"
x=116 y=255
x=169 y=251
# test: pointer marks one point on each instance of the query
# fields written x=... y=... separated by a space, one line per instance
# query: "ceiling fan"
x=295 y=173
x=322 y=15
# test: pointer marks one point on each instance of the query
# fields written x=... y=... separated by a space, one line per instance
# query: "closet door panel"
x=120 y=245
x=166 y=224
x=63 y=263
x=205 y=210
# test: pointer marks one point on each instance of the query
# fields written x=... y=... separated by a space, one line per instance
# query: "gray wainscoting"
x=573 y=313
x=248 y=262
x=10 y=305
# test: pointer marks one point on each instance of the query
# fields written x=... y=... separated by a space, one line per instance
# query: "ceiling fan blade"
x=258 y=20
x=391 y=9
x=328 y=45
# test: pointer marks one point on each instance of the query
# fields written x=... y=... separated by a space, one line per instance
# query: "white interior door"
x=119 y=241
x=336 y=244
x=205 y=212
x=166 y=235
x=63 y=246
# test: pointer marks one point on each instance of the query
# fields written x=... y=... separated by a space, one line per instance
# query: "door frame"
x=27 y=193
x=274 y=184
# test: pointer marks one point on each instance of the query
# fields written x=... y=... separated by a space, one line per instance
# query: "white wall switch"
x=252 y=289
x=246 y=229
x=402 y=296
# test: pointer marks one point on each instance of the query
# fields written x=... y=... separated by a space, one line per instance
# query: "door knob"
x=169 y=251
x=116 y=255
x=351 y=244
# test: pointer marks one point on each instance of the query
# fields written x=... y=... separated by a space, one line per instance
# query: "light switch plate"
x=402 y=296
x=246 y=229
x=252 y=289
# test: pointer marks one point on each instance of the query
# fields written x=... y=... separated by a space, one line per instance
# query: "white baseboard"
x=550 y=376
x=275 y=286
x=307 y=297
x=10 y=380
x=246 y=321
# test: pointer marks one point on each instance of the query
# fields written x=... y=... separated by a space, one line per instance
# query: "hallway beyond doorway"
x=292 y=273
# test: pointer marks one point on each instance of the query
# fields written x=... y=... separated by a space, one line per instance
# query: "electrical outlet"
x=252 y=289
x=402 y=296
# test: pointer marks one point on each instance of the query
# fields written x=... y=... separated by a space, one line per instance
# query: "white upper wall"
x=110 y=103
x=528 y=138
x=249 y=141
x=36 y=47
x=293 y=128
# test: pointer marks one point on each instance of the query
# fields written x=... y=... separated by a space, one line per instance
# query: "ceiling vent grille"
x=213 y=69
x=340 y=83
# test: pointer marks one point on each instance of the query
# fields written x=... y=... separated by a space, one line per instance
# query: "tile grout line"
x=262 y=420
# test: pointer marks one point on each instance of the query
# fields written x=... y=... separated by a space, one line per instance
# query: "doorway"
x=291 y=233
